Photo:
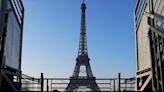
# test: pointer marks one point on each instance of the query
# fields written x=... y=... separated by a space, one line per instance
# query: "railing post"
x=118 y=81
x=114 y=85
x=47 y=86
x=42 y=82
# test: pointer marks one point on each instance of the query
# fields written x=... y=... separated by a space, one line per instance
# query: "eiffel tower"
x=77 y=81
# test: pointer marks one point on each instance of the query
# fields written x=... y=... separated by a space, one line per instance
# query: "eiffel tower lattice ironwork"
x=89 y=80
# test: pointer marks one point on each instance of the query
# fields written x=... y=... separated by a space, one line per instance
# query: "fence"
x=50 y=84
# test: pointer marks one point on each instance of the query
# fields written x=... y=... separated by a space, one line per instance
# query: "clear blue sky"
x=52 y=30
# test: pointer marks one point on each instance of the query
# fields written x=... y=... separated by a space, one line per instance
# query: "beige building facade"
x=149 y=34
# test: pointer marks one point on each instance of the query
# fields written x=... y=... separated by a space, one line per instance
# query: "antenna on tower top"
x=83 y=1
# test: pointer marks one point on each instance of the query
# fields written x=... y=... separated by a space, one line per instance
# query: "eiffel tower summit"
x=76 y=80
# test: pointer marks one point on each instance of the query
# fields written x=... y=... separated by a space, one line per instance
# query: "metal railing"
x=139 y=11
x=51 y=84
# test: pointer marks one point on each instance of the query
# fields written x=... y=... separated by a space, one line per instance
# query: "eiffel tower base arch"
x=88 y=82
